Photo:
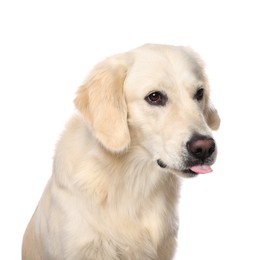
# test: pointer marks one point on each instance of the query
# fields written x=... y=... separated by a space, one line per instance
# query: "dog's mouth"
x=191 y=171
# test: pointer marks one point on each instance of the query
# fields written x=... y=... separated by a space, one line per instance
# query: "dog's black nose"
x=201 y=147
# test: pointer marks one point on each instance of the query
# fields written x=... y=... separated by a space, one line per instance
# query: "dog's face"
x=155 y=97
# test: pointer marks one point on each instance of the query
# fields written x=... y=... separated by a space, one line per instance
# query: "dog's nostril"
x=198 y=151
x=201 y=147
x=212 y=149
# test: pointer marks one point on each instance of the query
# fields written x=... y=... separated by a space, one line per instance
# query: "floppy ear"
x=212 y=116
x=102 y=103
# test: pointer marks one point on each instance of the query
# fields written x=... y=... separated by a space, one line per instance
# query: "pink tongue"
x=201 y=169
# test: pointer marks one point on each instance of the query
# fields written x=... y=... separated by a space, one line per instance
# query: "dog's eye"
x=199 y=94
x=157 y=98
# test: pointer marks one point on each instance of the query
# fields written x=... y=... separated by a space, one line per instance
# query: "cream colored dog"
x=144 y=119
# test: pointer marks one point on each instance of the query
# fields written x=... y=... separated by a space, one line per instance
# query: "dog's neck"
x=119 y=178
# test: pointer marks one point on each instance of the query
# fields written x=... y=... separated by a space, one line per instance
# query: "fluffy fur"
x=107 y=197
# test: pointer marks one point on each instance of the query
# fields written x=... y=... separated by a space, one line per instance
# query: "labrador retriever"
x=143 y=119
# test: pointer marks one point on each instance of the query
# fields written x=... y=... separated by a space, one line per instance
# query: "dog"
x=143 y=119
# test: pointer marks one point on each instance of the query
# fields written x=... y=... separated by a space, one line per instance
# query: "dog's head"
x=155 y=97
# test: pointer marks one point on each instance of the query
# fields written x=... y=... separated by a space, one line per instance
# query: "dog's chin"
x=185 y=173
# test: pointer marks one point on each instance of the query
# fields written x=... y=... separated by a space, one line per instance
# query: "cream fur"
x=107 y=198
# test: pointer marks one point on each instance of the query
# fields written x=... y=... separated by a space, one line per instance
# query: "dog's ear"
x=212 y=116
x=102 y=103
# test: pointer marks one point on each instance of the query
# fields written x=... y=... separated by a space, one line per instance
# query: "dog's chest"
x=124 y=235
x=128 y=239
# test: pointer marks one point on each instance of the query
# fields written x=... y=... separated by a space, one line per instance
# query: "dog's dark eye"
x=199 y=94
x=157 y=98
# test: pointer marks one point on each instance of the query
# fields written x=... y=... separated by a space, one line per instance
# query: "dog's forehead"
x=164 y=63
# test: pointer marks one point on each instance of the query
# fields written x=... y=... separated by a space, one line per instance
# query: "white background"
x=47 y=49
